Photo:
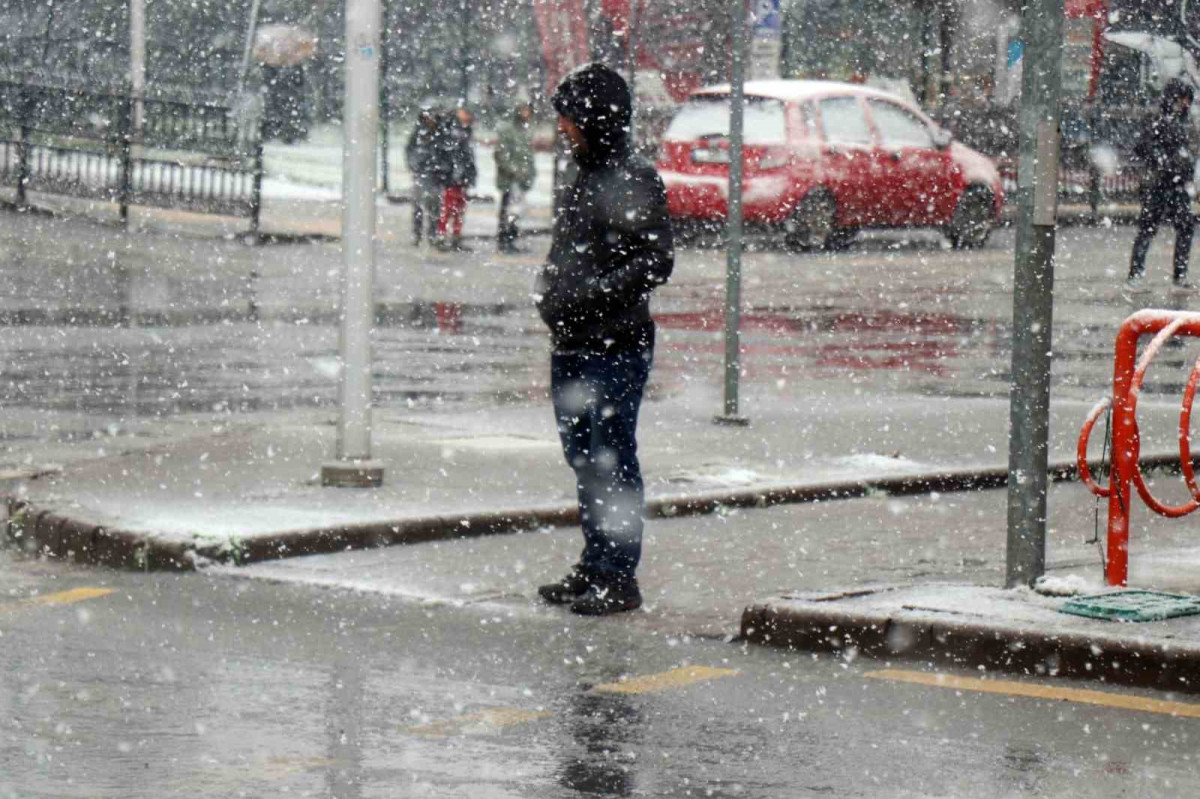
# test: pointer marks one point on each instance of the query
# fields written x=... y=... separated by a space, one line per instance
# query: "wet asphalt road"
x=195 y=685
x=201 y=685
x=105 y=332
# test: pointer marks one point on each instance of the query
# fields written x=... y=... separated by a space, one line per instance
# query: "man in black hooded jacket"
x=1165 y=152
x=612 y=246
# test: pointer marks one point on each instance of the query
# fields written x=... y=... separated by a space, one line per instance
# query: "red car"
x=825 y=159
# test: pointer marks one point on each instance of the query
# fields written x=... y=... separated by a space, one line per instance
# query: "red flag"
x=563 y=28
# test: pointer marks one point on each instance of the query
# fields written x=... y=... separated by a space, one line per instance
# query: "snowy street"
x=124 y=352
x=560 y=399
x=190 y=685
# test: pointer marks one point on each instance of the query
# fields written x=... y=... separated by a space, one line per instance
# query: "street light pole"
x=1033 y=291
x=733 y=220
x=360 y=126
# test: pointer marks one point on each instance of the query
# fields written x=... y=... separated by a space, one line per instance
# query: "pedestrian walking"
x=428 y=176
x=611 y=247
x=515 y=171
x=1163 y=150
x=458 y=154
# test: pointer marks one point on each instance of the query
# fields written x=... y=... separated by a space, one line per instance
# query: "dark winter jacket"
x=457 y=153
x=422 y=154
x=1163 y=147
x=612 y=238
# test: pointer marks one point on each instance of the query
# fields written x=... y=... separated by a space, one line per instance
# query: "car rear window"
x=708 y=116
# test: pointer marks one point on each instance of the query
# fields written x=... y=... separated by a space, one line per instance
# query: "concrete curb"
x=50 y=532
x=996 y=646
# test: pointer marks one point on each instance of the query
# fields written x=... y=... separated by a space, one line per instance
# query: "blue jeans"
x=596 y=398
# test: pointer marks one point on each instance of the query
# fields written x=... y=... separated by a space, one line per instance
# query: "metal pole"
x=24 y=148
x=733 y=221
x=256 y=186
x=46 y=41
x=926 y=50
x=384 y=102
x=137 y=60
x=631 y=41
x=360 y=126
x=250 y=26
x=125 y=147
x=465 y=52
x=945 y=39
x=1033 y=288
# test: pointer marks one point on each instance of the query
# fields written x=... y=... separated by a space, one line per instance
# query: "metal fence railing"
x=188 y=152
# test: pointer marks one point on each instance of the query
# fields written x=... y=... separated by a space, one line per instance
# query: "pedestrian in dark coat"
x=428 y=177
x=515 y=171
x=1166 y=156
x=458 y=155
x=611 y=248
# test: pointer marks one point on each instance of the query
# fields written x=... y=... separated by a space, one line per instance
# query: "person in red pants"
x=459 y=153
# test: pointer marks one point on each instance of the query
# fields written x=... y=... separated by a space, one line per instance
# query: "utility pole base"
x=731 y=420
x=352 y=474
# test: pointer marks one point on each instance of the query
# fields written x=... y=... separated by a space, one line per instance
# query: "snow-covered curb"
x=978 y=627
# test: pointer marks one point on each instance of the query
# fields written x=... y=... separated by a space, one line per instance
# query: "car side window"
x=807 y=121
x=899 y=127
x=843 y=121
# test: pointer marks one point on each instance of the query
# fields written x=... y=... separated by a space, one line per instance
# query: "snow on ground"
x=1067 y=585
x=312 y=169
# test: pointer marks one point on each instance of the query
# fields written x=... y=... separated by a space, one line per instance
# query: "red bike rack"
x=1128 y=374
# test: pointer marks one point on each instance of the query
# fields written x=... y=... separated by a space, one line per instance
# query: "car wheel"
x=684 y=232
x=842 y=238
x=972 y=221
x=813 y=224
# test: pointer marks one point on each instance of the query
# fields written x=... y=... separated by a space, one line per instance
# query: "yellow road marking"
x=1035 y=691
x=60 y=598
x=500 y=717
x=279 y=766
x=496 y=718
x=675 y=678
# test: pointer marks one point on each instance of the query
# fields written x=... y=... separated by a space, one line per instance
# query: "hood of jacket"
x=597 y=100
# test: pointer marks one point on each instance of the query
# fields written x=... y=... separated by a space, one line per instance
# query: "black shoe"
x=1181 y=282
x=458 y=246
x=609 y=596
x=566 y=590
